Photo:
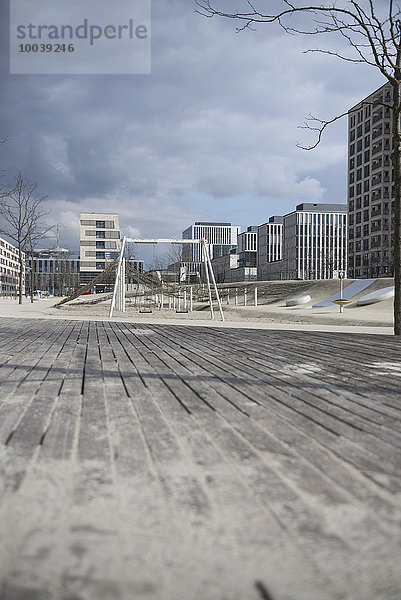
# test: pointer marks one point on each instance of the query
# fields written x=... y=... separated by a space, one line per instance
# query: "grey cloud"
x=214 y=122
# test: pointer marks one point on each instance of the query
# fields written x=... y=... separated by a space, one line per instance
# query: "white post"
x=245 y=298
x=174 y=301
x=236 y=297
x=228 y=296
x=214 y=283
x=185 y=300
x=123 y=285
x=256 y=296
x=205 y=255
x=179 y=300
x=190 y=299
x=118 y=277
x=161 y=301
x=169 y=302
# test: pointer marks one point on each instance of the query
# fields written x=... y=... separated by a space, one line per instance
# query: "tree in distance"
x=372 y=32
x=21 y=219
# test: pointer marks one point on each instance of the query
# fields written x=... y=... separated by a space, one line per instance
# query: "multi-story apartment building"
x=370 y=193
x=9 y=269
x=99 y=245
x=269 y=244
x=221 y=237
x=55 y=271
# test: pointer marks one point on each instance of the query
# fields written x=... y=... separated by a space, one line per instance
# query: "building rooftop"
x=320 y=207
x=212 y=224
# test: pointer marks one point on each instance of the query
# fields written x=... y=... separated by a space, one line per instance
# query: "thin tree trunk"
x=396 y=160
x=21 y=274
x=32 y=275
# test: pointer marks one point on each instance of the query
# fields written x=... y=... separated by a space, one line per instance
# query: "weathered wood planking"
x=179 y=462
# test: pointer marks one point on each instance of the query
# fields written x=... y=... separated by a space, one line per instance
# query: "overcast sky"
x=209 y=135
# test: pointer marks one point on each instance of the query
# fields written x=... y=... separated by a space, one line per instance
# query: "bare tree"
x=372 y=33
x=21 y=214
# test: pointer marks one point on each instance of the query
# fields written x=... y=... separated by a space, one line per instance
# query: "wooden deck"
x=169 y=463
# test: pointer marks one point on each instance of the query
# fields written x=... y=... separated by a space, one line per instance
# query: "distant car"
x=84 y=293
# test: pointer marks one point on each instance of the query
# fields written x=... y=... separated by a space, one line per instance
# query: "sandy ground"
x=376 y=318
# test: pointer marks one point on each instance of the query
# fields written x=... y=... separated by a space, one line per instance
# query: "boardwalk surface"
x=170 y=463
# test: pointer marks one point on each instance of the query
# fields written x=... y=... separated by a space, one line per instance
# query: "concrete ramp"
x=349 y=292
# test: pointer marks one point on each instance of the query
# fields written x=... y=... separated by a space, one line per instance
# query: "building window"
x=367 y=156
x=100 y=224
x=359 y=146
x=100 y=234
x=352 y=149
x=100 y=244
x=100 y=266
x=367 y=141
x=100 y=255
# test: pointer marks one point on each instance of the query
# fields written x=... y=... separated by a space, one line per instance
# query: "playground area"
x=241 y=303
x=238 y=305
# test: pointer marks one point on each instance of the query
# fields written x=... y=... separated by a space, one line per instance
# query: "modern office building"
x=370 y=188
x=9 y=269
x=55 y=271
x=99 y=245
x=315 y=241
x=221 y=237
x=269 y=245
x=248 y=247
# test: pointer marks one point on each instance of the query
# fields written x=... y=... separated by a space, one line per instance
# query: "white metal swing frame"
x=118 y=300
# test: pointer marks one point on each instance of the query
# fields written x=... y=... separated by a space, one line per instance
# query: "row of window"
x=98 y=224
x=359 y=145
x=366 y=158
x=357 y=190
x=358 y=116
x=358 y=174
x=359 y=131
x=102 y=234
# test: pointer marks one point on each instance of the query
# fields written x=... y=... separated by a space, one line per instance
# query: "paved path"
x=170 y=463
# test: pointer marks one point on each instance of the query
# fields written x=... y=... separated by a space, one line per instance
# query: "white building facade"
x=222 y=237
x=100 y=244
x=10 y=269
x=269 y=244
x=315 y=242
